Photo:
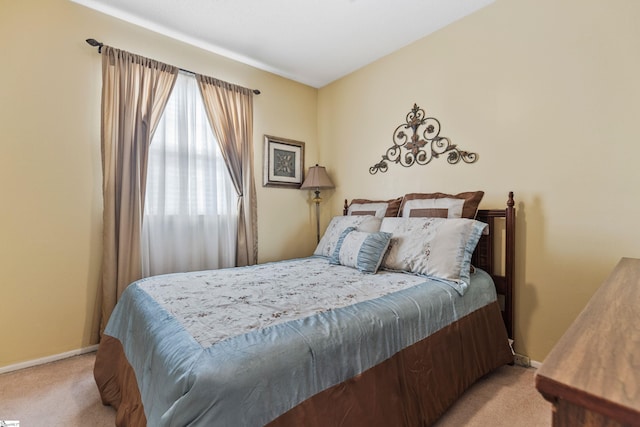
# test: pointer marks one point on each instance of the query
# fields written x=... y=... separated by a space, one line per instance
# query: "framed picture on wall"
x=283 y=162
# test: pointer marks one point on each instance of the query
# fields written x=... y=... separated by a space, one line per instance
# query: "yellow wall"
x=547 y=93
x=50 y=168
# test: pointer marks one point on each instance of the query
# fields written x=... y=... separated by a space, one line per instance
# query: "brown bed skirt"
x=412 y=388
x=117 y=383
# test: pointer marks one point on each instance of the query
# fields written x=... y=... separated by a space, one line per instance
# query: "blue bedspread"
x=249 y=379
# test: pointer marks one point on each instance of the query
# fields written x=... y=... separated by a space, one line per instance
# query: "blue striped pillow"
x=360 y=250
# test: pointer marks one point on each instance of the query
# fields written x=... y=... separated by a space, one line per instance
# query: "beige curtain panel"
x=135 y=91
x=230 y=111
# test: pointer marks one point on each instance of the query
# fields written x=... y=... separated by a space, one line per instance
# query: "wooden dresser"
x=592 y=375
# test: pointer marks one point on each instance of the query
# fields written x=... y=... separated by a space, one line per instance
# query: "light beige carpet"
x=63 y=393
x=505 y=398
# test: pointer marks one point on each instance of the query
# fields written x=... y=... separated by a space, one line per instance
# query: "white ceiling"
x=310 y=41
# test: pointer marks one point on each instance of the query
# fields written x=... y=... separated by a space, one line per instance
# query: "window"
x=190 y=218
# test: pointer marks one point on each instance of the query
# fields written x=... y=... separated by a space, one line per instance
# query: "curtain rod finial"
x=95 y=43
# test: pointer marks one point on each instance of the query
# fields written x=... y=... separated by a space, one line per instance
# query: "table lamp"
x=316 y=180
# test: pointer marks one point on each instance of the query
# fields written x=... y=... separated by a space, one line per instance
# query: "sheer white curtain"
x=190 y=216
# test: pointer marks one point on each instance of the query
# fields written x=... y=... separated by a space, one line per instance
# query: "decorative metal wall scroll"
x=420 y=147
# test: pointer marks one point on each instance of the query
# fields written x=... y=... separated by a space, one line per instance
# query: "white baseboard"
x=535 y=364
x=525 y=361
x=48 y=359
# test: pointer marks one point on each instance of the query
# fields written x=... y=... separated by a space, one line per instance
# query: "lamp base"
x=317 y=201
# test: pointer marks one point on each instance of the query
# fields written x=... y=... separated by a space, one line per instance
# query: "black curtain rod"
x=96 y=43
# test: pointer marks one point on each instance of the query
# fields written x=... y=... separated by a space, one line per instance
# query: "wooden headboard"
x=495 y=254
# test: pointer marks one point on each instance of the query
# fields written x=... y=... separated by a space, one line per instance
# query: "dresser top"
x=596 y=363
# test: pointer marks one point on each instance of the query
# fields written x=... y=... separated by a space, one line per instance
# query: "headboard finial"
x=510 y=202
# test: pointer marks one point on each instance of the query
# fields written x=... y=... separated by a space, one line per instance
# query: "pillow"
x=360 y=249
x=338 y=224
x=433 y=208
x=435 y=247
x=376 y=209
x=470 y=199
x=379 y=208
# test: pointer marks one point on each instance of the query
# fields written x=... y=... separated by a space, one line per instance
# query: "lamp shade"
x=316 y=179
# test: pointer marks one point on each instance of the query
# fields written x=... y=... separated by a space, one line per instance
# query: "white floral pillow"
x=338 y=224
x=361 y=250
x=436 y=247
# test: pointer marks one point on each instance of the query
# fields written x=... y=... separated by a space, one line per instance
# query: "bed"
x=322 y=340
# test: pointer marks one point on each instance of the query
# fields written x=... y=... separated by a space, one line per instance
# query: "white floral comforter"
x=240 y=347
x=215 y=305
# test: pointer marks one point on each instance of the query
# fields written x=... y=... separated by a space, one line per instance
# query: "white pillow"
x=338 y=224
x=435 y=208
x=435 y=247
